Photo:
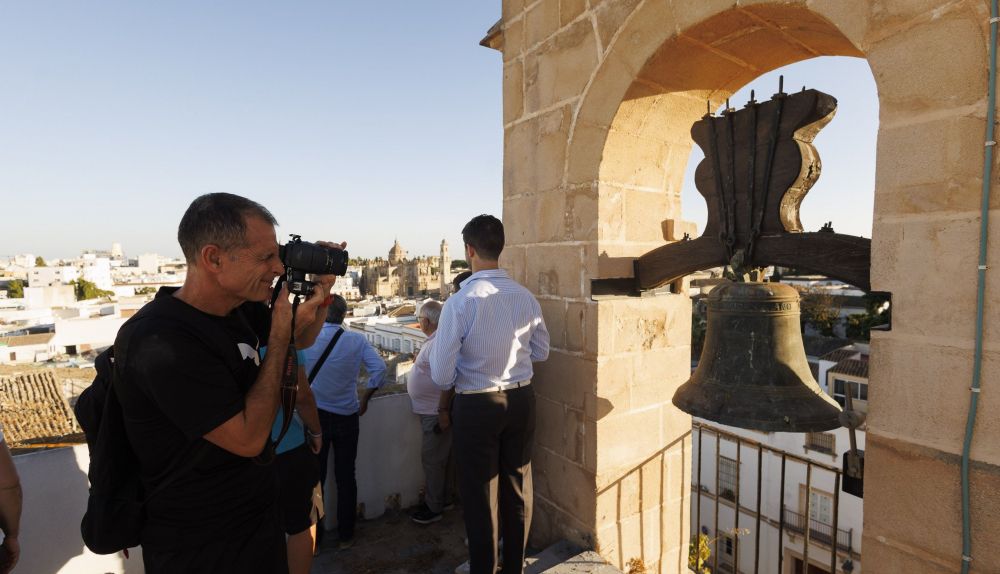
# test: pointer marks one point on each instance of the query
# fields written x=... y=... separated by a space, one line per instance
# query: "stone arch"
x=626 y=144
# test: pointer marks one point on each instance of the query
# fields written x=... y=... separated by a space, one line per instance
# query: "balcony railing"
x=818 y=531
x=724 y=488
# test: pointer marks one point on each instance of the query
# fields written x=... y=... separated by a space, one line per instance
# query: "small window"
x=727 y=478
x=821 y=507
x=859 y=392
x=822 y=442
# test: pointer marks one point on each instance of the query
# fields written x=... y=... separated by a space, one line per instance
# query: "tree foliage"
x=15 y=289
x=698 y=554
x=40 y=262
x=459 y=264
x=877 y=312
x=821 y=310
x=84 y=289
x=145 y=290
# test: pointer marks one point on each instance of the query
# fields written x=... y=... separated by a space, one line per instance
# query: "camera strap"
x=289 y=394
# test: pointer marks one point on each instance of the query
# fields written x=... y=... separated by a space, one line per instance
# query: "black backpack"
x=114 y=516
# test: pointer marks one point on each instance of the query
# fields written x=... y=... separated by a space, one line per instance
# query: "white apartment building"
x=810 y=494
x=52 y=276
x=391 y=334
x=149 y=263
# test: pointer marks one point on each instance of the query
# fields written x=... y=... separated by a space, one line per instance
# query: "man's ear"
x=210 y=258
x=470 y=252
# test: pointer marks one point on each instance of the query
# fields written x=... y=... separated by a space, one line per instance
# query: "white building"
x=347 y=288
x=97 y=270
x=149 y=263
x=810 y=462
x=391 y=334
x=26 y=348
x=48 y=297
x=52 y=276
x=25 y=260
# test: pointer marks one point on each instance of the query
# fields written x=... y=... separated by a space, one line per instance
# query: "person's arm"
x=376 y=374
x=444 y=408
x=245 y=432
x=305 y=404
x=447 y=344
x=10 y=510
x=306 y=335
x=539 y=338
x=364 y=400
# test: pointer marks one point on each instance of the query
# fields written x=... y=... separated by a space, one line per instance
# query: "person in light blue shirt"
x=335 y=388
x=489 y=334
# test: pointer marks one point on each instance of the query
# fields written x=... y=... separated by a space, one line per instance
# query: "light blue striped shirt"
x=336 y=384
x=489 y=334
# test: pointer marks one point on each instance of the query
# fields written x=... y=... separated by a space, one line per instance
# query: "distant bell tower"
x=445 y=269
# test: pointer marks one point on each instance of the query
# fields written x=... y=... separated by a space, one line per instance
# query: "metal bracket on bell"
x=854 y=459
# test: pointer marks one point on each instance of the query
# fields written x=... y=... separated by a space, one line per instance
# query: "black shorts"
x=300 y=500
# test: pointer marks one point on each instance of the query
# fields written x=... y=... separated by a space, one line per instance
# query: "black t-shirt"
x=184 y=373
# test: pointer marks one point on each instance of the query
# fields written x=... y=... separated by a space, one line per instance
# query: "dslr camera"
x=301 y=257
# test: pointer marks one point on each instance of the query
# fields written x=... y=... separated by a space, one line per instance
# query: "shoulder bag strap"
x=326 y=353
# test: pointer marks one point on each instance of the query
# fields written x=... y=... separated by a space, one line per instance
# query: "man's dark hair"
x=217 y=219
x=457 y=281
x=337 y=310
x=485 y=234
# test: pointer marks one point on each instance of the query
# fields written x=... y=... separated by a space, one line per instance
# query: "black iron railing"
x=818 y=531
x=724 y=488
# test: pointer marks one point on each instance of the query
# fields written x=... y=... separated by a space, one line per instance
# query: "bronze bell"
x=753 y=371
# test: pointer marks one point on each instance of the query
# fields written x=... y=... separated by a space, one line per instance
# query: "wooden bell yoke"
x=759 y=164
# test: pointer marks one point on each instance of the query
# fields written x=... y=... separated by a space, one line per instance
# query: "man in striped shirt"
x=488 y=336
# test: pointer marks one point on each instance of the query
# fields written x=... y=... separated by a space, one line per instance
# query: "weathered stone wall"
x=598 y=100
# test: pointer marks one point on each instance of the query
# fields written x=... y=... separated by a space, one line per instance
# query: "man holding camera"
x=199 y=401
x=336 y=359
x=489 y=334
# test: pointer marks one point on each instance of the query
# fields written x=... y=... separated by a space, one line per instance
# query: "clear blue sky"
x=357 y=121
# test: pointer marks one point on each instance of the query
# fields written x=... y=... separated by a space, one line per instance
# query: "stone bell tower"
x=445 y=287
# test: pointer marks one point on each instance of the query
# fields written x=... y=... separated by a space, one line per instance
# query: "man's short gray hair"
x=219 y=219
x=430 y=310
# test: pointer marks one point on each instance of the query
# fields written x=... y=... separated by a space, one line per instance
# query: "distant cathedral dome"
x=396 y=254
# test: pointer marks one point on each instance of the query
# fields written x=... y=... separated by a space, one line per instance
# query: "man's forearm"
x=369 y=392
x=10 y=494
x=244 y=434
x=444 y=402
x=10 y=510
x=264 y=397
x=306 y=404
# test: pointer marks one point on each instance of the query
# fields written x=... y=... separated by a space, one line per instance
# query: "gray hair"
x=430 y=310
x=220 y=219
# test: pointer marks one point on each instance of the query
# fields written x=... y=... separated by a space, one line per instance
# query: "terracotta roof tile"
x=851 y=368
x=25 y=340
x=33 y=409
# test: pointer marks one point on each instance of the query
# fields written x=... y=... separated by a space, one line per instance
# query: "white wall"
x=55 y=496
x=388 y=458
x=96 y=332
x=45 y=297
x=55 y=491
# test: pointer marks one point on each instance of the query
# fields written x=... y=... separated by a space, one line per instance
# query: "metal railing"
x=786 y=520
x=818 y=531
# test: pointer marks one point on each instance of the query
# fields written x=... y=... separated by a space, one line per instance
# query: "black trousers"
x=341 y=433
x=493 y=438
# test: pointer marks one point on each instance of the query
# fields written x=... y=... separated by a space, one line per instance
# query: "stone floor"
x=394 y=544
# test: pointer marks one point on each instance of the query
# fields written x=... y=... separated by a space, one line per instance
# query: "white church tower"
x=445 y=270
